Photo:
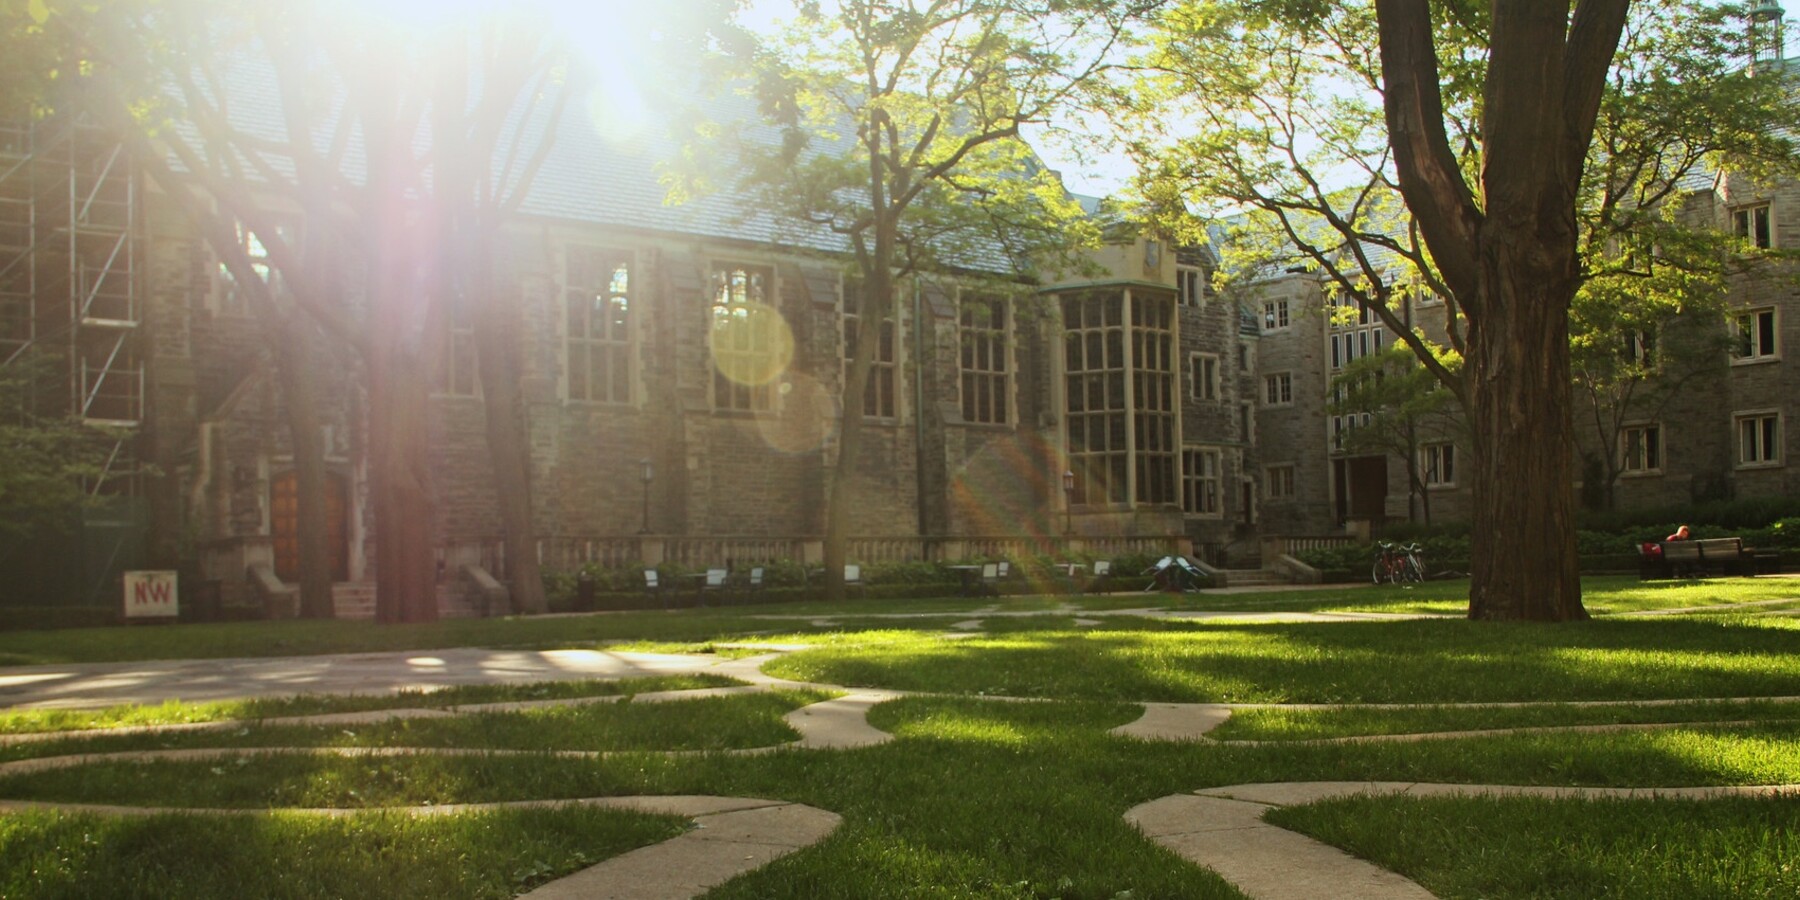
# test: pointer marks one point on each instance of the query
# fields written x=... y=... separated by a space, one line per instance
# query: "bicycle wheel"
x=1378 y=573
x=1415 y=568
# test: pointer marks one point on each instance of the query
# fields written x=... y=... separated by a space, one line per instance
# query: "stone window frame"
x=1278 y=389
x=1356 y=342
x=1748 y=332
x=1191 y=286
x=1764 y=450
x=1202 y=491
x=887 y=368
x=1204 y=382
x=994 y=381
x=1122 y=396
x=744 y=399
x=1155 y=387
x=1641 y=449
x=1279 y=481
x=459 y=368
x=609 y=343
x=1755 y=222
x=1275 y=315
x=1437 y=465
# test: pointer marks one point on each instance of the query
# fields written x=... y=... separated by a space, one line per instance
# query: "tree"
x=1323 y=118
x=902 y=123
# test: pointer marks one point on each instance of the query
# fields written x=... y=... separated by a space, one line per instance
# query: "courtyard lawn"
x=712 y=723
x=793 y=621
x=1578 y=849
x=479 y=855
x=177 y=712
x=1408 y=661
x=975 y=796
x=1311 y=724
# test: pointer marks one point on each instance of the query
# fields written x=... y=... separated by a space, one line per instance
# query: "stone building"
x=682 y=373
x=1709 y=425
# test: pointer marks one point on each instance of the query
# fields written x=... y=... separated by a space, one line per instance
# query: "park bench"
x=1708 y=556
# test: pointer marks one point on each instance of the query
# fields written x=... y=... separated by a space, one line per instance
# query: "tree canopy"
x=1502 y=156
x=901 y=136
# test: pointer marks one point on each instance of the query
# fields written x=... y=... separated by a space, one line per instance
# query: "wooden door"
x=284 y=521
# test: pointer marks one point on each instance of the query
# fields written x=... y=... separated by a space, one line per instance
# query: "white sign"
x=150 y=594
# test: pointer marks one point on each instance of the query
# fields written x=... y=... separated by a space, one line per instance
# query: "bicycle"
x=1397 y=564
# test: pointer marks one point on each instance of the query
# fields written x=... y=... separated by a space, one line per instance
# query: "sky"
x=593 y=26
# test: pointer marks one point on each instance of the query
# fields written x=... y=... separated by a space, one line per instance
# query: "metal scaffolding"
x=70 y=243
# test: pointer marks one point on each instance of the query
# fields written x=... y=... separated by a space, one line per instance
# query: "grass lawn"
x=289 y=855
x=1605 y=594
x=976 y=796
x=1282 y=724
x=177 y=712
x=1421 y=661
x=714 y=723
x=1626 y=849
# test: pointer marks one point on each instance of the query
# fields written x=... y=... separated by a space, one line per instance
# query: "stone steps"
x=356 y=600
x=1244 y=577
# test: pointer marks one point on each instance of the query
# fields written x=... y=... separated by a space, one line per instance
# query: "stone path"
x=1220 y=828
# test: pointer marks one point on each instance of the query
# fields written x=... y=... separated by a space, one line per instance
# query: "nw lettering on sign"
x=156 y=592
x=151 y=595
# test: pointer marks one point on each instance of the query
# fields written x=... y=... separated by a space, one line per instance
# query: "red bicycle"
x=1397 y=564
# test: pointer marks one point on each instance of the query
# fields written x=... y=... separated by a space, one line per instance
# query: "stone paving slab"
x=722 y=846
x=1265 y=862
x=1175 y=721
x=840 y=723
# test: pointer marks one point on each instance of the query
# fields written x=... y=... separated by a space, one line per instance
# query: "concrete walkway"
x=92 y=685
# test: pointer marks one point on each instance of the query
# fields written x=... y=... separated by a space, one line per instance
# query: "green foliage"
x=900 y=131
x=49 y=460
x=1749 y=512
x=1284 y=155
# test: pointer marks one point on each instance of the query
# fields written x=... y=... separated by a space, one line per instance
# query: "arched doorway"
x=284 y=522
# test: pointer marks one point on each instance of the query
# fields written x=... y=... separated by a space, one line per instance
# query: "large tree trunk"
x=405 y=515
x=508 y=442
x=296 y=368
x=843 y=474
x=873 y=307
x=1523 y=562
x=1512 y=267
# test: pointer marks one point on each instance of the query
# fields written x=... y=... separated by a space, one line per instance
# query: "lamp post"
x=1068 y=503
x=648 y=475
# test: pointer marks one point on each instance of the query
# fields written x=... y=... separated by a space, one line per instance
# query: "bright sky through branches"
x=598 y=29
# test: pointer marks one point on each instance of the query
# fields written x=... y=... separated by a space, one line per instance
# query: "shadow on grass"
x=1365 y=662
